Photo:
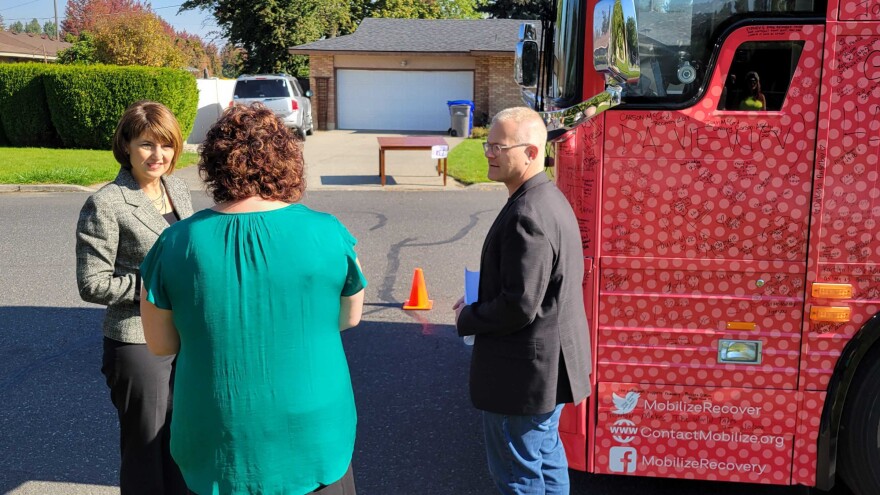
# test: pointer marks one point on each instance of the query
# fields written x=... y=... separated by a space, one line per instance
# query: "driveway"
x=349 y=160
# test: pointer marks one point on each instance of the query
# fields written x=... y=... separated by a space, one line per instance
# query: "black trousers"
x=345 y=485
x=141 y=387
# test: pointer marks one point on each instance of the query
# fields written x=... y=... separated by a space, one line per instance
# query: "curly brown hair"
x=249 y=152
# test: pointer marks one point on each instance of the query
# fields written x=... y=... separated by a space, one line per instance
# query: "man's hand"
x=457 y=307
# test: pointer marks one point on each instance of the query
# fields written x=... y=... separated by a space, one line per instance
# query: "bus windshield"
x=675 y=43
x=676 y=39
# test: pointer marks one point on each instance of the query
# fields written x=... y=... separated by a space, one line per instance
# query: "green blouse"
x=263 y=401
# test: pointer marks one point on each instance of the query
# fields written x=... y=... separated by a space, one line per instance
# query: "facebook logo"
x=622 y=460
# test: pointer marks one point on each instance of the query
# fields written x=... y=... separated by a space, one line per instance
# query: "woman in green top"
x=252 y=295
x=755 y=99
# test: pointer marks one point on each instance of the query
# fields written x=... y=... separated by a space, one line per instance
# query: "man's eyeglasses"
x=497 y=148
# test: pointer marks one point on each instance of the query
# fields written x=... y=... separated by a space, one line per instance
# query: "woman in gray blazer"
x=117 y=227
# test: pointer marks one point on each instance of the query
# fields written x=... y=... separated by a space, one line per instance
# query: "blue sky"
x=193 y=21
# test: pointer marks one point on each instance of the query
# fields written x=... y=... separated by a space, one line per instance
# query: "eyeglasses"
x=497 y=148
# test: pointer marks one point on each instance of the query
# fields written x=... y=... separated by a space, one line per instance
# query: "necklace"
x=159 y=202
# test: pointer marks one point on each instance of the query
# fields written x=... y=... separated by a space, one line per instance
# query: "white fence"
x=214 y=96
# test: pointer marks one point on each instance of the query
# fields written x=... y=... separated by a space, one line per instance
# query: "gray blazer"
x=117 y=227
x=532 y=345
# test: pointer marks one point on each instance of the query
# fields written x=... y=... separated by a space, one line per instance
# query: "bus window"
x=760 y=75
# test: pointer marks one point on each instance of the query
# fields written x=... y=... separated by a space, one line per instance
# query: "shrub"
x=87 y=101
x=479 y=132
x=24 y=115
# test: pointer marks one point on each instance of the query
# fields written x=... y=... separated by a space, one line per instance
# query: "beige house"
x=398 y=74
x=23 y=47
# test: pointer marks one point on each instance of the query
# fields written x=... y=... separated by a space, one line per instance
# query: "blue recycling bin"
x=461 y=113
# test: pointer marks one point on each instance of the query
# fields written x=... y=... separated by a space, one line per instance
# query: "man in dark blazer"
x=531 y=350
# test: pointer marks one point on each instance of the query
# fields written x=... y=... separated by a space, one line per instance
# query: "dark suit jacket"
x=532 y=346
x=117 y=227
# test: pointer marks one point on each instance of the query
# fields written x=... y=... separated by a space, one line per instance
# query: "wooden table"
x=409 y=143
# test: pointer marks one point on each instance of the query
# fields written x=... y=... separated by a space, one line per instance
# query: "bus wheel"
x=859 y=440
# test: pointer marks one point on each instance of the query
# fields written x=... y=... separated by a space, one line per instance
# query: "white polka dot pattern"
x=809 y=412
x=844 y=234
x=856 y=11
x=700 y=218
x=704 y=222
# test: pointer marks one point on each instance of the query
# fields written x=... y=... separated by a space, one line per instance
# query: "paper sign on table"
x=439 y=151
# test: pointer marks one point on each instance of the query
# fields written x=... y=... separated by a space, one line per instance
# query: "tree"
x=232 y=60
x=518 y=9
x=82 y=50
x=198 y=55
x=135 y=39
x=82 y=15
x=49 y=29
x=420 y=9
x=2 y=26
x=265 y=29
x=16 y=27
x=33 y=27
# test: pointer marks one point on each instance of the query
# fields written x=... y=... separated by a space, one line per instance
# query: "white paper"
x=439 y=151
x=471 y=289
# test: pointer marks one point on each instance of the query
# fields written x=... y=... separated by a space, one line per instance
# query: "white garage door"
x=399 y=100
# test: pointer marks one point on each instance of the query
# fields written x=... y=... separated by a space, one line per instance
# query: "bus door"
x=704 y=214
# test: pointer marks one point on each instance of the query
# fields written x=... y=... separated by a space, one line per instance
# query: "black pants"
x=345 y=486
x=141 y=387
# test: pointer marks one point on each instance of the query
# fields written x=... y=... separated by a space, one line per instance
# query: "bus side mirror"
x=616 y=41
x=525 y=62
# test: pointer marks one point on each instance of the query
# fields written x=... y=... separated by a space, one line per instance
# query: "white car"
x=282 y=94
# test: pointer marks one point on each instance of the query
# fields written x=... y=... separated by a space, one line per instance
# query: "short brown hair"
x=249 y=152
x=146 y=117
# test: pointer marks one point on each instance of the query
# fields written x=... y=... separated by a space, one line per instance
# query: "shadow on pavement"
x=56 y=420
x=355 y=180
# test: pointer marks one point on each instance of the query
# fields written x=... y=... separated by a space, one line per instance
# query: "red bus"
x=723 y=160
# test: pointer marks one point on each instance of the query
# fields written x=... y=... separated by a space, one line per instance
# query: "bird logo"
x=625 y=404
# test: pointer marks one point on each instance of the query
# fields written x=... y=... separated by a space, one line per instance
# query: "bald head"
x=530 y=127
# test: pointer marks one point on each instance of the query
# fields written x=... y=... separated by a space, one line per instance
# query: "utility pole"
x=57 y=27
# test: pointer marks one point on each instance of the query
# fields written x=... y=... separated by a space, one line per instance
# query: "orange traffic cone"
x=418 y=296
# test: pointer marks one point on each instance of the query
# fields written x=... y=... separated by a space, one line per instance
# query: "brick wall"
x=481 y=90
x=503 y=91
x=322 y=66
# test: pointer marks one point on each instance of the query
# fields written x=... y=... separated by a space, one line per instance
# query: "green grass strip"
x=467 y=162
x=61 y=166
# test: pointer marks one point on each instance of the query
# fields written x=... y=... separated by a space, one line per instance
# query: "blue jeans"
x=525 y=453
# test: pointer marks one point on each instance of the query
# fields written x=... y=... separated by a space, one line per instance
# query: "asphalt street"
x=417 y=432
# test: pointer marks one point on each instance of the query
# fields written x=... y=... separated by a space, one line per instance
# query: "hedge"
x=24 y=115
x=87 y=101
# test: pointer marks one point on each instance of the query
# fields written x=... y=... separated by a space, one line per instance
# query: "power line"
x=20 y=5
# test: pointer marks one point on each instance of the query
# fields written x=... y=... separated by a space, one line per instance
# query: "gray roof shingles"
x=424 y=35
x=29 y=45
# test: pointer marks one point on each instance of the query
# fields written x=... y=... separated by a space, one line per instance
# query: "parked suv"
x=280 y=93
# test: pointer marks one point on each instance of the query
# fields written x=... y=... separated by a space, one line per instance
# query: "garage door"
x=399 y=100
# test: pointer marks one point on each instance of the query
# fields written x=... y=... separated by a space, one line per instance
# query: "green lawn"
x=59 y=166
x=467 y=162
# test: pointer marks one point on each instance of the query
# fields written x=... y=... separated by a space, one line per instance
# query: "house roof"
x=461 y=36
x=29 y=46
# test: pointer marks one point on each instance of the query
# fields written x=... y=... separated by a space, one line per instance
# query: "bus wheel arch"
x=847 y=414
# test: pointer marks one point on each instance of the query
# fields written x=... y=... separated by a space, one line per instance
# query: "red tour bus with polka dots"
x=723 y=160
